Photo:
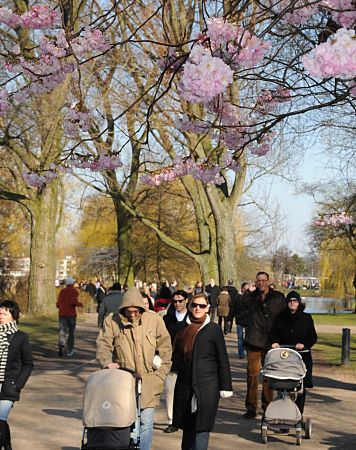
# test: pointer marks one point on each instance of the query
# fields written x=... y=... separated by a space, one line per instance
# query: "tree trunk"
x=124 y=241
x=44 y=221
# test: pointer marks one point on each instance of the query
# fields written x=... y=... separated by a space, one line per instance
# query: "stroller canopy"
x=284 y=364
x=109 y=399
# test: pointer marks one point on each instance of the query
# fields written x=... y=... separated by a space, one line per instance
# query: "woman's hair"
x=164 y=293
x=12 y=307
x=201 y=295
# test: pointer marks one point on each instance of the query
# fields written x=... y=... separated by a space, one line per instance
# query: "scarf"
x=6 y=329
x=185 y=338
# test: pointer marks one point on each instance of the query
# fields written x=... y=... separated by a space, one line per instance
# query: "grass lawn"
x=328 y=349
x=335 y=319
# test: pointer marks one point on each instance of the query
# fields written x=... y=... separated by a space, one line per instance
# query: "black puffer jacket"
x=18 y=366
x=292 y=329
x=206 y=375
x=260 y=316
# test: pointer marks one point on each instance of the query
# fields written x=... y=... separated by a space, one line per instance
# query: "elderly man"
x=132 y=339
x=261 y=307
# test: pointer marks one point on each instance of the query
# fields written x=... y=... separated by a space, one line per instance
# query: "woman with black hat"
x=296 y=328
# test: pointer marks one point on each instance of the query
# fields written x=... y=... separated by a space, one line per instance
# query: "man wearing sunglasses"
x=260 y=307
x=176 y=312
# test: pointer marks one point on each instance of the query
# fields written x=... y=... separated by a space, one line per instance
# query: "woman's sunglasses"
x=199 y=305
x=178 y=301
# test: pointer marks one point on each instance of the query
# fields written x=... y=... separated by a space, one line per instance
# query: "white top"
x=180 y=315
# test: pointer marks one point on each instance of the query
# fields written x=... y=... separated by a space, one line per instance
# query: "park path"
x=48 y=417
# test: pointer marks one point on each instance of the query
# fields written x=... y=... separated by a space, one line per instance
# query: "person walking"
x=67 y=302
x=234 y=295
x=16 y=365
x=202 y=363
x=295 y=328
x=260 y=307
x=176 y=312
x=110 y=303
x=133 y=338
x=223 y=308
x=212 y=291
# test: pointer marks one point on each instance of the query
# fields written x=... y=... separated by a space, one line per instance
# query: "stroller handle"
x=292 y=347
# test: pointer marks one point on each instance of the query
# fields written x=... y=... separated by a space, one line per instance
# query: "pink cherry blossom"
x=334 y=58
x=204 y=77
x=334 y=220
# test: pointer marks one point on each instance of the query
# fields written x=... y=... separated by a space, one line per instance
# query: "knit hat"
x=69 y=281
x=293 y=295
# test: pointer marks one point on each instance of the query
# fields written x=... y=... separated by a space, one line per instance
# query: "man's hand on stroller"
x=113 y=365
x=275 y=345
x=299 y=346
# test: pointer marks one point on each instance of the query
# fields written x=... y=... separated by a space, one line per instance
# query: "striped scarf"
x=5 y=330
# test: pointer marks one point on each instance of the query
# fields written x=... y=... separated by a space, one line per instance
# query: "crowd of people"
x=171 y=340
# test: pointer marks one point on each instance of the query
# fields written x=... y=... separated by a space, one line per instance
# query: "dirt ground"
x=48 y=417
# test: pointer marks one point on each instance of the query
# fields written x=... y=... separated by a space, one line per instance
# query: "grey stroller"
x=111 y=411
x=285 y=370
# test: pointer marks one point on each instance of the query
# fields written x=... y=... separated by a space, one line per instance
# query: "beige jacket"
x=134 y=345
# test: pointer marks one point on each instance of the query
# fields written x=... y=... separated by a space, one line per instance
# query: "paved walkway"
x=48 y=417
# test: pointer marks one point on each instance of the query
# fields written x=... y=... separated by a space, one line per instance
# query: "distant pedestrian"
x=15 y=365
x=99 y=294
x=223 y=308
x=261 y=307
x=212 y=290
x=66 y=303
x=110 y=303
x=234 y=296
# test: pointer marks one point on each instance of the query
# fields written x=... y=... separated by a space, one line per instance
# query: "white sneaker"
x=70 y=353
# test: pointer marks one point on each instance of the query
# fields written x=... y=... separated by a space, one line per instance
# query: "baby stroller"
x=285 y=370
x=111 y=411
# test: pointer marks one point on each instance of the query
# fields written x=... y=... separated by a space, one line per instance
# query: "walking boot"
x=7 y=440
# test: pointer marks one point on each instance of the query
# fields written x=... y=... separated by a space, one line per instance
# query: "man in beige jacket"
x=133 y=339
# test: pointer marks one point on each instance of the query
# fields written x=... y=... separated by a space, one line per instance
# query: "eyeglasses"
x=199 y=305
x=178 y=301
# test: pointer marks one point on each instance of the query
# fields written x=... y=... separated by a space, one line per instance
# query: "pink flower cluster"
x=334 y=58
x=38 y=17
x=234 y=45
x=103 y=162
x=269 y=99
x=75 y=120
x=201 y=170
x=204 y=76
x=89 y=41
x=301 y=12
x=342 y=11
x=34 y=179
x=334 y=220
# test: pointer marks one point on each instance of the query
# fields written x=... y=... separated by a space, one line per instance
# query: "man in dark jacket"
x=262 y=306
x=212 y=291
x=176 y=313
x=234 y=295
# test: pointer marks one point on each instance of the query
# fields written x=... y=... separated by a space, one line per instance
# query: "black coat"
x=260 y=316
x=171 y=321
x=18 y=366
x=292 y=329
x=213 y=294
x=206 y=375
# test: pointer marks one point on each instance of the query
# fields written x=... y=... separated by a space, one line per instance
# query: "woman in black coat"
x=296 y=328
x=201 y=360
x=15 y=365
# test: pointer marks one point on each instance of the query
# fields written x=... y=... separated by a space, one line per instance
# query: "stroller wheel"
x=298 y=438
x=264 y=434
x=308 y=428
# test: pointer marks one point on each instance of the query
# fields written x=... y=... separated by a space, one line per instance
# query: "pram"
x=111 y=411
x=284 y=368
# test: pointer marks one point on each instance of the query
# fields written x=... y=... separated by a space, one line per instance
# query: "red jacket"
x=67 y=301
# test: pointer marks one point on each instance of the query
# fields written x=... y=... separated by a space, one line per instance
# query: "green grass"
x=328 y=349
x=335 y=319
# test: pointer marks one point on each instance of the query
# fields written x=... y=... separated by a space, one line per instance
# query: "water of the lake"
x=325 y=305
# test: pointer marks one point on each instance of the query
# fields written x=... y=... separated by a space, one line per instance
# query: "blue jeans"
x=66 y=326
x=240 y=341
x=146 y=428
x=5 y=408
